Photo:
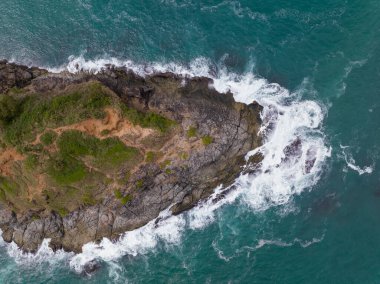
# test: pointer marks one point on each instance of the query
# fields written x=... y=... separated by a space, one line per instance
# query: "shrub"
x=9 y=108
x=118 y=194
x=124 y=200
x=148 y=119
x=139 y=183
x=150 y=157
x=184 y=155
x=165 y=163
x=192 y=132
x=63 y=212
x=207 y=140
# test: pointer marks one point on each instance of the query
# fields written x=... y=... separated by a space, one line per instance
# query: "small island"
x=85 y=156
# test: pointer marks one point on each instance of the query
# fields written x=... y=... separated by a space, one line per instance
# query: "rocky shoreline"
x=206 y=148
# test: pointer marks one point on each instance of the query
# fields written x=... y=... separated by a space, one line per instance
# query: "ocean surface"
x=314 y=66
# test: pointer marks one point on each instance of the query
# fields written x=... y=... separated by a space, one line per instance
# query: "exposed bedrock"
x=213 y=131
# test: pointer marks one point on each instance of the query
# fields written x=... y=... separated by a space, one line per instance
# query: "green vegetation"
x=31 y=162
x=139 y=183
x=207 y=140
x=24 y=118
x=15 y=90
x=184 y=155
x=70 y=169
x=66 y=170
x=123 y=199
x=148 y=119
x=8 y=187
x=107 y=152
x=168 y=171
x=165 y=163
x=192 y=132
x=88 y=199
x=105 y=132
x=9 y=108
x=126 y=199
x=118 y=194
x=48 y=138
x=62 y=212
x=124 y=179
x=150 y=157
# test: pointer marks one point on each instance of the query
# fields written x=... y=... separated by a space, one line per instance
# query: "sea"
x=313 y=65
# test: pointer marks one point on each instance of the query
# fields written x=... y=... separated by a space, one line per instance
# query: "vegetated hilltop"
x=85 y=156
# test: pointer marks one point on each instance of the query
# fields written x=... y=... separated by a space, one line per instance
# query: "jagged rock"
x=232 y=129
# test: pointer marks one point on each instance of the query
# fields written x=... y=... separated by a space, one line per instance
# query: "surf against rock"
x=101 y=154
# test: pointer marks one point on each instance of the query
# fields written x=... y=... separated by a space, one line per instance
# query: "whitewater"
x=281 y=175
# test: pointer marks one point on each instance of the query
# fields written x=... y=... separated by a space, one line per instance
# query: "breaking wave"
x=294 y=152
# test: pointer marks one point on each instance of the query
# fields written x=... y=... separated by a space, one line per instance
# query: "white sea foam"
x=43 y=255
x=352 y=164
x=287 y=120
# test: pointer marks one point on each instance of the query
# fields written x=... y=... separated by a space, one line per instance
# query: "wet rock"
x=293 y=151
x=91 y=267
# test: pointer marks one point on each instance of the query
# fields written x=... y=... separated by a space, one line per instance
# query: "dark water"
x=326 y=51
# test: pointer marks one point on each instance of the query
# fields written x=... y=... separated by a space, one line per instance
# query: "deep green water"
x=326 y=51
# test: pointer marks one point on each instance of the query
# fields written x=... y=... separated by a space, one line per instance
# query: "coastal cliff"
x=85 y=156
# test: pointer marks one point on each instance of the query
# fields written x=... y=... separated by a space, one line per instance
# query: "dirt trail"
x=7 y=158
x=112 y=125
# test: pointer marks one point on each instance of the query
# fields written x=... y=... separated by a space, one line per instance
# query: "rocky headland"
x=85 y=156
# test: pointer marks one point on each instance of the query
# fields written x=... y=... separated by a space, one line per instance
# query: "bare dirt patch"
x=113 y=125
x=7 y=158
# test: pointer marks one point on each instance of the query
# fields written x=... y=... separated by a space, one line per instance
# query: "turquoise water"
x=325 y=51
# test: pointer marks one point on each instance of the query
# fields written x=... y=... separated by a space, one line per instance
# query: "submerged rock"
x=183 y=140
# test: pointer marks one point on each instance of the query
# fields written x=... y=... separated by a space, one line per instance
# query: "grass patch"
x=8 y=187
x=48 y=138
x=114 y=152
x=207 y=140
x=31 y=162
x=33 y=113
x=107 y=152
x=66 y=170
x=148 y=119
x=124 y=200
x=192 y=132
x=88 y=199
x=105 y=132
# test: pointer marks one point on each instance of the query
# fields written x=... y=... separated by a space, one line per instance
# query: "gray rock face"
x=12 y=75
x=190 y=102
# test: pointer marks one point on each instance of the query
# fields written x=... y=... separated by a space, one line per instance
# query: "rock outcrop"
x=213 y=134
